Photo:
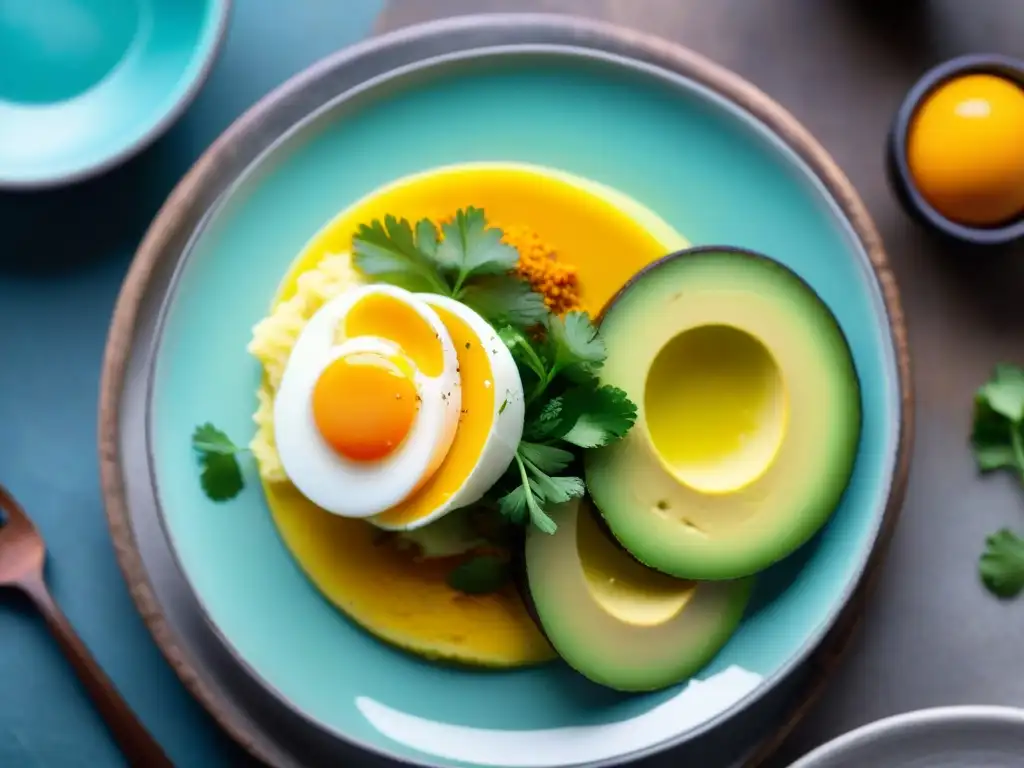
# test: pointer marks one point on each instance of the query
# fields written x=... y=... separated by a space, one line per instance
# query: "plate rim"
x=928 y=716
x=822 y=650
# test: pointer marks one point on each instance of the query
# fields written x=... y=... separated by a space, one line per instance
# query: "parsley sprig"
x=567 y=409
x=466 y=259
x=998 y=442
x=221 y=476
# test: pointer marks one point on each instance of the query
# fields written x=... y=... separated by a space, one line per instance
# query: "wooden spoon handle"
x=136 y=743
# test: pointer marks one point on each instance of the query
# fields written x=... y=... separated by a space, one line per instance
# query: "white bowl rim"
x=931 y=716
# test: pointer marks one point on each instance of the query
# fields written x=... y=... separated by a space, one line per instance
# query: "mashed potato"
x=272 y=342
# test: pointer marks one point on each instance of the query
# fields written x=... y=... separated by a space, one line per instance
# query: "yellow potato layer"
x=401 y=600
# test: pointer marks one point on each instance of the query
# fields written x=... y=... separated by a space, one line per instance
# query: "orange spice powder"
x=538 y=264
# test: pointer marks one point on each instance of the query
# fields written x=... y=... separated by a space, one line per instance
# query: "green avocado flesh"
x=748 y=417
x=613 y=620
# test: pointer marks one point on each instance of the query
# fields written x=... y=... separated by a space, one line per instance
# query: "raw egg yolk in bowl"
x=965 y=150
x=391 y=409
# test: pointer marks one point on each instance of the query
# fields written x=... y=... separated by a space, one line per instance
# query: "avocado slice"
x=615 y=621
x=748 y=421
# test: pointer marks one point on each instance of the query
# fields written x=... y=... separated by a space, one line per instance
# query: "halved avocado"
x=613 y=620
x=748 y=421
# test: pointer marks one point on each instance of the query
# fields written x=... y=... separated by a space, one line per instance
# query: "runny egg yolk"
x=364 y=406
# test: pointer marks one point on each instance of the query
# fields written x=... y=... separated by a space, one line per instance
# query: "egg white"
x=506 y=422
x=350 y=488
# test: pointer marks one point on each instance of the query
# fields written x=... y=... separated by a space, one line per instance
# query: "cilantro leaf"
x=1002 y=564
x=993 y=457
x=522 y=505
x=586 y=416
x=555 y=419
x=472 y=248
x=523 y=351
x=1004 y=392
x=606 y=416
x=208 y=439
x=427 y=238
x=221 y=476
x=513 y=505
x=557 y=490
x=480 y=575
x=503 y=299
x=554 y=490
x=533 y=498
x=997 y=439
x=389 y=252
x=576 y=342
x=539 y=517
x=547 y=458
x=993 y=441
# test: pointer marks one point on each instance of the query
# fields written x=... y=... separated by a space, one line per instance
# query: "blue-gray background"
x=931 y=635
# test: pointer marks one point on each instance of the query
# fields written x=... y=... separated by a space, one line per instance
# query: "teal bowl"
x=85 y=84
x=715 y=158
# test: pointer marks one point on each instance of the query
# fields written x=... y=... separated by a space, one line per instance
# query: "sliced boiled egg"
x=369 y=402
x=490 y=423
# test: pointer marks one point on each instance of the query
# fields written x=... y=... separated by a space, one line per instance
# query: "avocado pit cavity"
x=715 y=408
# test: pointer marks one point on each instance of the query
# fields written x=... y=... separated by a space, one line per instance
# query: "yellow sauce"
x=405 y=602
x=605 y=235
x=965 y=150
x=397 y=598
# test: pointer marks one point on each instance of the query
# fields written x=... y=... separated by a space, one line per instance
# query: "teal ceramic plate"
x=84 y=84
x=706 y=151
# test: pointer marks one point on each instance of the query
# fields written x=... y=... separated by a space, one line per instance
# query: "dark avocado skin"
x=522 y=583
x=700 y=250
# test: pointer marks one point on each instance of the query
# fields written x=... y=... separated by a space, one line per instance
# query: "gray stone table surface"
x=931 y=636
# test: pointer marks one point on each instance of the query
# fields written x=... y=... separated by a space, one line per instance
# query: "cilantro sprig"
x=221 y=475
x=466 y=259
x=997 y=439
x=567 y=409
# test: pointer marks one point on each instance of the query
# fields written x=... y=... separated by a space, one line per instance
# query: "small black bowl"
x=899 y=171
